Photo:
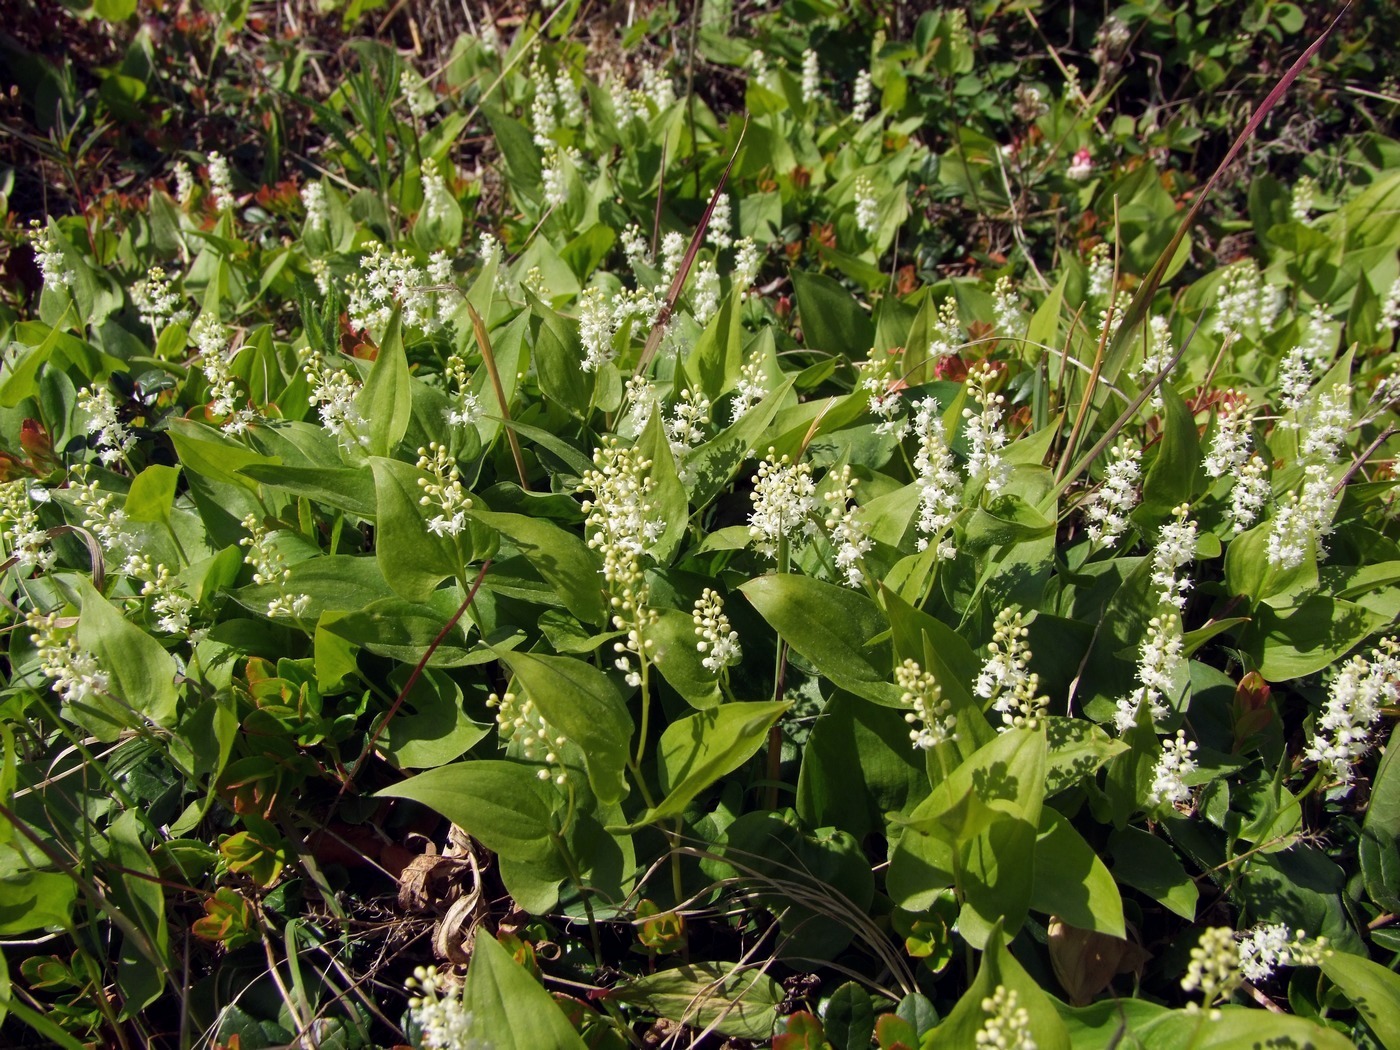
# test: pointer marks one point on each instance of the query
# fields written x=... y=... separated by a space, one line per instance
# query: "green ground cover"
x=797 y=524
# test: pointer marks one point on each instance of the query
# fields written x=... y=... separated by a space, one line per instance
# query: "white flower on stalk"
x=542 y=119
x=783 y=500
x=811 y=77
x=1250 y=493
x=719 y=642
x=75 y=672
x=845 y=528
x=1390 y=308
x=946 y=338
x=1242 y=300
x=417 y=93
x=465 y=409
x=25 y=540
x=595 y=329
x=929 y=714
x=634 y=247
x=673 y=247
x=704 y=300
x=1269 y=946
x=1173 y=764
x=1342 y=733
x=1214 y=969
x=880 y=378
x=184 y=183
x=690 y=415
x=748 y=260
x=49 y=256
x=1305 y=364
x=221 y=183
x=157 y=302
x=558 y=165
x=313 y=197
x=1110 y=507
x=1306 y=519
x=860 y=96
x=210 y=337
x=1229 y=449
x=1007 y=1025
x=867 y=207
x=443 y=491
x=387 y=277
x=749 y=391
x=1304 y=196
x=437 y=199
x=113 y=438
x=100 y=514
x=1176 y=547
x=657 y=86
x=1100 y=269
x=439 y=1013
x=270 y=567
x=1156 y=359
x=520 y=720
x=940 y=488
x=1004 y=680
x=333 y=393
x=718 y=232
x=570 y=102
x=985 y=436
x=170 y=604
x=1006 y=306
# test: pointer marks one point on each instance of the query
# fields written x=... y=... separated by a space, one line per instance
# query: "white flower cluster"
x=844 y=526
x=673 y=247
x=1390 y=308
x=171 y=606
x=24 y=539
x=49 y=256
x=720 y=230
x=867 y=206
x=1229 y=448
x=210 y=338
x=270 y=566
x=1004 y=681
x=1109 y=509
x=881 y=379
x=1100 y=268
x=559 y=167
x=690 y=415
x=443 y=490
x=1244 y=300
x=439 y=1014
x=719 y=642
x=622 y=525
x=946 y=338
x=1008 y=1025
x=657 y=87
x=417 y=93
x=387 y=277
x=1304 y=196
x=1157 y=357
x=157 y=302
x=985 y=436
x=1342 y=733
x=1268 y=947
x=465 y=407
x=101 y=517
x=521 y=720
x=1305 y=520
x=940 y=487
x=860 y=96
x=184 y=183
x=221 y=183
x=543 y=121
x=635 y=249
x=437 y=198
x=1214 y=969
x=782 y=503
x=749 y=391
x=1304 y=365
x=1250 y=493
x=1173 y=764
x=704 y=300
x=113 y=438
x=599 y=321
x=930 y=715
x=811 y=77
x=1162 y=646
x=313 y=197
x=333 y=392
x=75 y=672
x=1006 y=306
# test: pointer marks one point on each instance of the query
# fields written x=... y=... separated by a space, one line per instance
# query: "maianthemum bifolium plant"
x=618 y=591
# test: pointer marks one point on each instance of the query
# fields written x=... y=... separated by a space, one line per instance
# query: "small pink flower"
x=1082 y=166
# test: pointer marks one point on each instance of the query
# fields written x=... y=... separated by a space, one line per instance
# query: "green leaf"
x=679 y=662
x=1070 y=880
x=831 y=317
x=583 y=704
x=345 y=488
x=386 y=400
x=1171 y=479
x=1373 y=989
x=431 y=729
x=152 y=493
x=697 y=750
x=412 y=559
x=1146 y=1024
x=205 y=451
x=1149 y=864
x=142 y=673
x=734 y=1001
x=560 y=557
x=850 y=1018
x=668 y=497
x=1078 y=748
x=503 y=804
x=145 y=947
x=335 y=581
x=1380 y=831
x=509 y=1006
x=1305 y=639
x=834 y=627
